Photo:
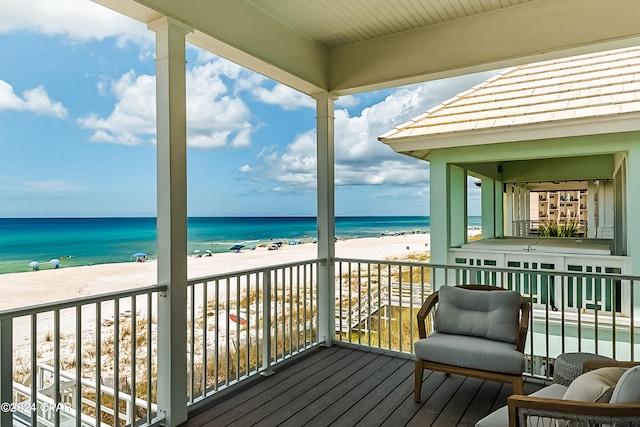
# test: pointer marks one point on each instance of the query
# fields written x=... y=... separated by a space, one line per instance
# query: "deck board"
x=346 y=386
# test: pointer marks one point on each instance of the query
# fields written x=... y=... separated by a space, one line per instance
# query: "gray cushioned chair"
x=588 y=405
x=478 y=331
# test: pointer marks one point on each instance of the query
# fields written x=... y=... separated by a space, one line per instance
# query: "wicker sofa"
x=606 y=394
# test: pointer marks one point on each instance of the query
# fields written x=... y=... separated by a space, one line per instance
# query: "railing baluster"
x=266 y=323
x=192 y=341
x=216 y=320
x=632 y=315
x=283 y=312
x=205 y=336
x=150 y=376
x=34 y=370
x=227 y=329
x=98 y=363
x=134 y=358
x=6 y=369
x=116 y=360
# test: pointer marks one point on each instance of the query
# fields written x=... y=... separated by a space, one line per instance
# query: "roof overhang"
x=421 y=147
x=252 y=34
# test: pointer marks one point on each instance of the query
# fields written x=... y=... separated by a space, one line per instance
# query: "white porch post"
x=631 y=227
x=498 y=209
x=6 y=370
x=488 y=200
x=438 y=213
x=508 y=224
x=172 y=218
x=457 y=205
x=447 y=212
x=591 y=210
x=326 y=216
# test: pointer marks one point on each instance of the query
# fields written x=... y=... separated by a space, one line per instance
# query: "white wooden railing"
x=592 y=312
x=84 y=362
x=241 y=324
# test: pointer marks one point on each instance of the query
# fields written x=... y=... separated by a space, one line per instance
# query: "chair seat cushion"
x=470 y=352
x=500 y=417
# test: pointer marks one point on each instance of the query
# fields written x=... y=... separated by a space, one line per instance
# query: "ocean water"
x=87 y=241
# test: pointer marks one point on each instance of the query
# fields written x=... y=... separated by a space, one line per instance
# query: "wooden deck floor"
x=340 y=386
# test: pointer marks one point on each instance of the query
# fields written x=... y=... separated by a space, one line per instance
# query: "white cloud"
x=347 y=101
x=132 y=120
x=79 y=20
x=215 y=118
x=51 y=186
x=33 y=100
x=245 y=168
x=360 y=159
x=284 y=97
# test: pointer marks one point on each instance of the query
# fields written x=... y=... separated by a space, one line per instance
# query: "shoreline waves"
x=45 y=286
x=92 y=241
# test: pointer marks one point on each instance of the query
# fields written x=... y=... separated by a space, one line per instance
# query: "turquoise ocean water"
x=86 y=241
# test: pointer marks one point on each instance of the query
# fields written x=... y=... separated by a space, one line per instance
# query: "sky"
x=77 y=127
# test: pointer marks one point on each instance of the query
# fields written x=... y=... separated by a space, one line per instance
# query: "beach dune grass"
x=294 y=308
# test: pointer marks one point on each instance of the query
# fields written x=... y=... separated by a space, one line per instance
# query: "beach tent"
x=236 y=248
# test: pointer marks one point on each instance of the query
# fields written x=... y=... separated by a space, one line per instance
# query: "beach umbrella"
x=197 y=251
x=138 y=256
x=35 y=265
x=55 y=262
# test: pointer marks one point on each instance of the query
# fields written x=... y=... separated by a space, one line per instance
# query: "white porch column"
x=508 y=224
x=488 y=200
x=457 y=205
x=438 y=213
x=630 y=225
x=591 y=210
x=498 y=209
x=172 y=218
x=326 y=216
x=447 y=212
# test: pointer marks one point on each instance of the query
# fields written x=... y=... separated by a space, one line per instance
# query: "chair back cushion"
x=627 y=389
x=493 y=315
x=594 y=386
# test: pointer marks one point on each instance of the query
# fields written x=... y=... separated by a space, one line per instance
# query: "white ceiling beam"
x=531 y=32
x=245 y=35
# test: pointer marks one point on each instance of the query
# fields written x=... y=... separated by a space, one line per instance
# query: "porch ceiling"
x=348 y=47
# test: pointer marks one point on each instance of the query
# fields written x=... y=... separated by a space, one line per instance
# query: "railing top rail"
x=224 y=276
x=61 y=305
x=485 y=268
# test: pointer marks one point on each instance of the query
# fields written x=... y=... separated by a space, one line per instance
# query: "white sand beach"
x=45 y=286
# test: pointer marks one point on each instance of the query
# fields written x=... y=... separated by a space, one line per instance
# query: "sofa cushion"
x=627 y=389
x=500 y=417
x=493 y=315
x=594 y=386
x=470 y=352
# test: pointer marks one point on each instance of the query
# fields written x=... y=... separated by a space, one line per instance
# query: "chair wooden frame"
x=421 y=365
x=541 y=406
